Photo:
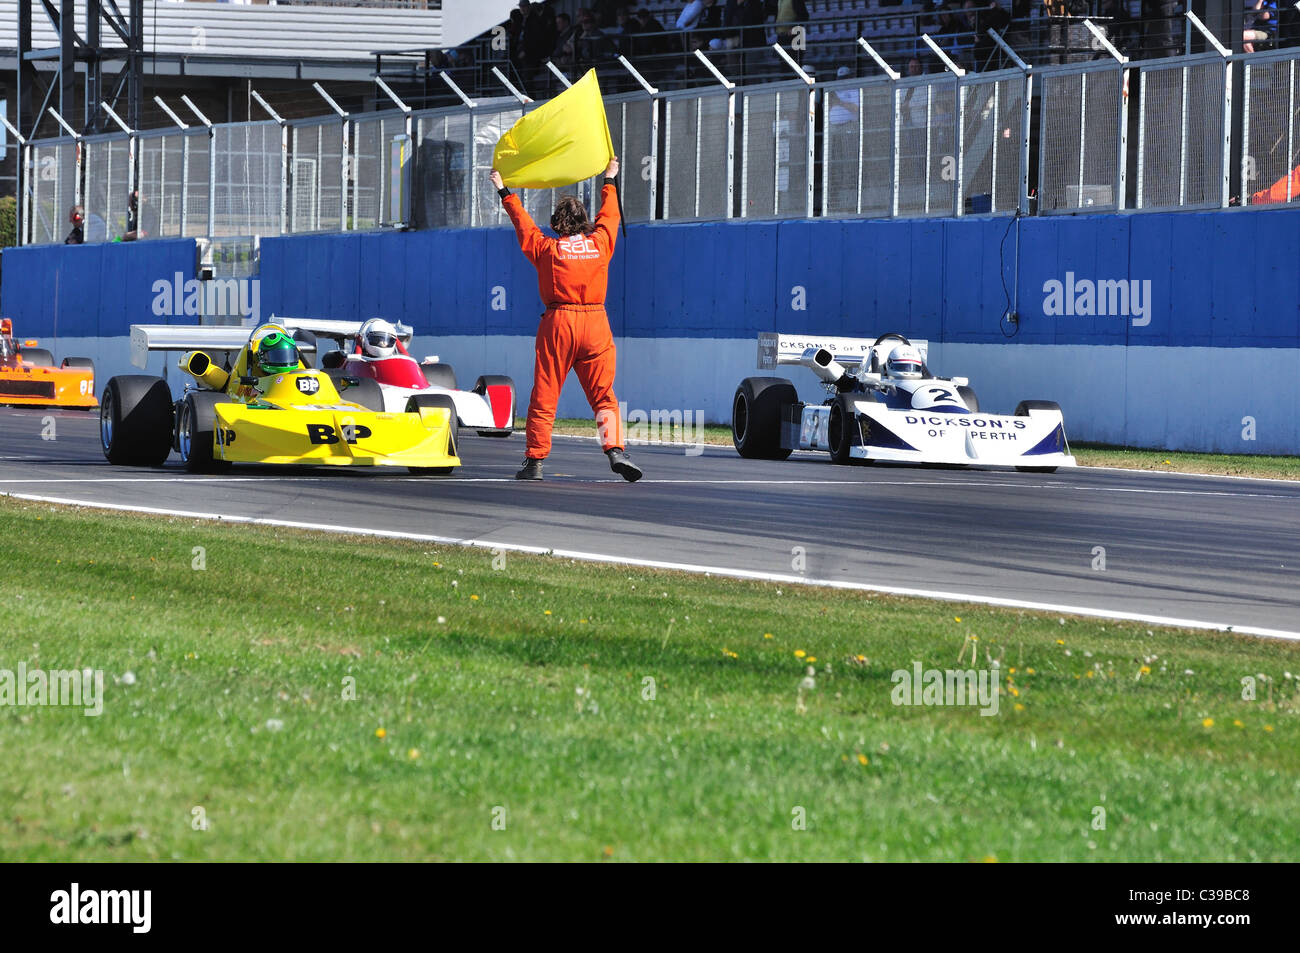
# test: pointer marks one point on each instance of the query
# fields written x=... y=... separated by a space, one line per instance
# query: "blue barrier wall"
x=686 y=302
x=87 y=291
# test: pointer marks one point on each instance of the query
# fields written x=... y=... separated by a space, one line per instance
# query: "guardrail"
x=950 y=144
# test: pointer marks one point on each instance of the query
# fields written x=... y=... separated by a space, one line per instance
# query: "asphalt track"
x=1206 y=550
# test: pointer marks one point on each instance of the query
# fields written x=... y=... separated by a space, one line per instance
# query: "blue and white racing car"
x=884 y=405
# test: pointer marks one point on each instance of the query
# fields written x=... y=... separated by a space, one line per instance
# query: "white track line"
x=566 y=480
x=723 y=571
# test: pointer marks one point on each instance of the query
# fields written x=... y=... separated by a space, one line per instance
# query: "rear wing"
x=775 y=348
x=181 y=337
x=338 y=331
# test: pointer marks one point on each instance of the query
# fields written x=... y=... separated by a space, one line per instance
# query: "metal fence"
x=933 y=145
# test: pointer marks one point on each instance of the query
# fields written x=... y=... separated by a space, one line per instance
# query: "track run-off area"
x=1165 y=548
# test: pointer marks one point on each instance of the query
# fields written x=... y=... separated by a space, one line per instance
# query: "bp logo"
x=308 y=385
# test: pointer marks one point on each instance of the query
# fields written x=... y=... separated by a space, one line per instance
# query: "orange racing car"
x=28 y=377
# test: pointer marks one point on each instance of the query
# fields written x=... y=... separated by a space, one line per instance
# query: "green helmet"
x=277 y=353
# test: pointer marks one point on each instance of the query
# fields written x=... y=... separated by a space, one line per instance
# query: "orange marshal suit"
x=572 y=274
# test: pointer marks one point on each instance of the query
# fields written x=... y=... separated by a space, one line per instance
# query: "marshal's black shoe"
x=532 y=470
x=620 y=464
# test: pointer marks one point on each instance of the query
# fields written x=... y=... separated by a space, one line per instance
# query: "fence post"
x=730 y=87
x=284 y=156
x=185 y=162
x=343 y=161
x=410 y=135
x=812 y=128
x=212 y=165
x=22 y=185
x=1122 y=138
x=471 y=105
x=653 y=92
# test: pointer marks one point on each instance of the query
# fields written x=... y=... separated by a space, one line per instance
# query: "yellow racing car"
x=266 y=406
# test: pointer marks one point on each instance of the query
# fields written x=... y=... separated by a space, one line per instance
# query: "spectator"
x=787 y=12
x=991 y=16
x=77 y=216
x=589 y=41
x=563 y=53
x=646 y=43
x=141 y=218
x=1261 y=24
x=693 y=14
x=1162 y=28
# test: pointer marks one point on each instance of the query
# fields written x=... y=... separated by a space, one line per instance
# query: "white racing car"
x=884 y=405
x=376 y=349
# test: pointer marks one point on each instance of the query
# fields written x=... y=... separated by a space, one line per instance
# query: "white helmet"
x=378 y=338
x=905 y=361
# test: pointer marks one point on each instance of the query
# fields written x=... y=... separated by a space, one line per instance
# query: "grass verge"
x=1088 y=454
x=322 y=697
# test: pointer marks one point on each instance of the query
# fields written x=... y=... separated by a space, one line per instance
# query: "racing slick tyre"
x=967 y=395
x=367 y=392
x=1022 y=410
x=413 y=404
x=756 y=417
x=135 y=421
x=440 y=375
x=843 y=432
x=496 y=380
x=37 y=357
x=194 y=423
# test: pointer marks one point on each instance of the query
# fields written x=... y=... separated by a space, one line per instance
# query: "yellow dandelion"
x=862 y=658
x=546 y=612
x=381 y=733
x=1091 y=673
x=608 y=851
x=862 y=759
x=1060 y=641
x=475 y=599
x=1207 y=723
x=799 y=653
x=1019 y=707
x=767 y=635
x=1028 y=671
x=1236 y=723
x=1268 y=728
x=1012 y=670
x=956 y=618
x=413 y=754
x=989 y=859
x=1145 y=670
x=811 y=659
x=1015 y=693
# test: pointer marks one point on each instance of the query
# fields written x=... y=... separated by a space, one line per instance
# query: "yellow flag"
x=559 y=143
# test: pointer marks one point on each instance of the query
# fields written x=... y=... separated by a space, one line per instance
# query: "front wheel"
x=499 y=392
x=135 y=421
x=194 y=433
x=1022 y=410
x=843 y=432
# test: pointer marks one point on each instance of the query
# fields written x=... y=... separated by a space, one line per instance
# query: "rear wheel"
x=440 y=375
x=481 y=387
x=194 y=432
x=37 y=357
x=1022 y=410
x=756 y=417
x=135 y=421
